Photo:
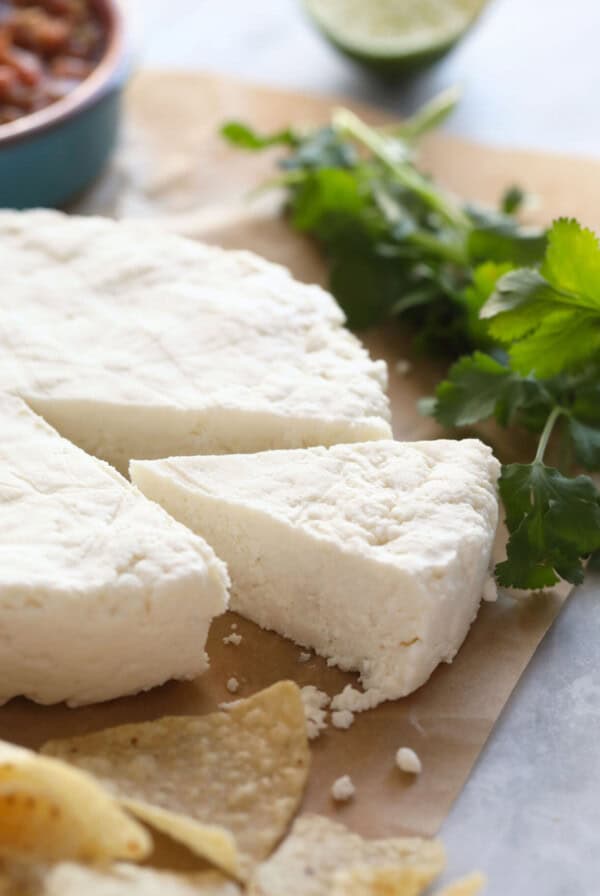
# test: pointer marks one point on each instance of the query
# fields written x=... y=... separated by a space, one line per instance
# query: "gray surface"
x=530 y=813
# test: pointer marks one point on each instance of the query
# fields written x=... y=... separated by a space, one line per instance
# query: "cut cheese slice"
x=101 y=592
x=136 y=343
x=373 y=554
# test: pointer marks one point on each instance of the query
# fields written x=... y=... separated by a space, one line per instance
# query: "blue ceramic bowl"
x=50 y=156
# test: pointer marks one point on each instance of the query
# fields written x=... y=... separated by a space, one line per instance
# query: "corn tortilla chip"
x=317 y=849
x=466 y=886
x=243 y=770
x=209 y=841
x=373 y=881
x=19 y=879
x=69 y=879
x=122 y=880
x=50 y=811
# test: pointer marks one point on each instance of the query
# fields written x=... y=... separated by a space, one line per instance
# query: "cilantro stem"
x=547 y=432
x=388 y=152
x=454 y=252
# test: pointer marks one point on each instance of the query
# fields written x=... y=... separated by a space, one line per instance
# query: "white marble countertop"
x=530 y=71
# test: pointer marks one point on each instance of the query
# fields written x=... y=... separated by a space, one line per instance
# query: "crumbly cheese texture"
x=374 y=555
x=315 y=710
x=343 y=789
x=101 y=592
x=408 y=761
x=136 y=343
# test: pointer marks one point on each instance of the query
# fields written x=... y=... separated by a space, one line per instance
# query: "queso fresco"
x=47 y=47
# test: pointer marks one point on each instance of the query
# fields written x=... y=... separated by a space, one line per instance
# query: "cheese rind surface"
x=136 y=343
x=375 y=555
x=101 y=593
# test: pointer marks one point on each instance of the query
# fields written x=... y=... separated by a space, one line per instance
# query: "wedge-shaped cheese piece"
x=374 y=555
x=101 y=592
x=135 y=343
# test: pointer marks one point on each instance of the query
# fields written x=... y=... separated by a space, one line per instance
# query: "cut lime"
x=394 y=35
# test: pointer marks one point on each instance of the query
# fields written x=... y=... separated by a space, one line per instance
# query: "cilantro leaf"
x=479 y=387
x=584 y=427
x=483 y=283
x=586 y=443
x=498 y=237
x=472 y=390
x=512 y=200
x=323 y=148
x=551 y=319
x=554 y=522
x=239 y=134
x=328 y=203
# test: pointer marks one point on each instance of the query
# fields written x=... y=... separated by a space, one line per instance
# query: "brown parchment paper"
x=173 y=167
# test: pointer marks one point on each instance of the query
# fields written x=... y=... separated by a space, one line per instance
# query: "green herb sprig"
x=519 y=307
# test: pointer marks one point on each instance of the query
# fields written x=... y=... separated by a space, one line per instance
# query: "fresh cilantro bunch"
x=397 y=245
x=520 y=308
x=547 y=380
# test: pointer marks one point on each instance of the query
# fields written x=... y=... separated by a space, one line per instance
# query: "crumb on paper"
x=233 y=685
x=403 y=367
x=342 y=718
x=233 y=638
x=343 y=789
x=357 y=701
x=490 y=590
x=408 y=761
x=315 y=710
x=304 y=657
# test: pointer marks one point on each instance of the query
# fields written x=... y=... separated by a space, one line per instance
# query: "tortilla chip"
x=18 y=879
x=374 y=881
x=310 y=861
x=243 y=770
x=50 y=811
x=466 y=886
x=121 y=880
x=68 y=879
x=209 y=841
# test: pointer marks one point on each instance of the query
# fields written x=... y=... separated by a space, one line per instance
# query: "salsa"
x=47 y=47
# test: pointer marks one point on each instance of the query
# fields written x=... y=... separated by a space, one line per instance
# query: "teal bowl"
x=48 y=157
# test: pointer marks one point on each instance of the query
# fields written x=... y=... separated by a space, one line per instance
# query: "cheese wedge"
x=375 y=555
x=101 y=592
x=136 y=343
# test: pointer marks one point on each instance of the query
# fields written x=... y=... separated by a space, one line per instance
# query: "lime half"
x=394 y=35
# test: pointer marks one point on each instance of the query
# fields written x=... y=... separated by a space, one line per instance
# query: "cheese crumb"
x=403 y=367
x=233 y=685
x=233 y=638
x=357 y=701
x=342 y=718
x=490 y=590
x=304 y=657
x=315 y=703
x=343 y=789
x=408 y=761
